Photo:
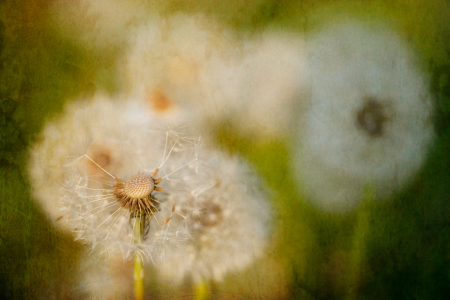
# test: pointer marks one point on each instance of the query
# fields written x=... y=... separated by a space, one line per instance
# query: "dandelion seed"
x=102 y=206
x=370 y=116
x=229 y=221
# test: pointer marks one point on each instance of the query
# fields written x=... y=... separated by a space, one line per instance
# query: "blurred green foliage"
x=398 y=249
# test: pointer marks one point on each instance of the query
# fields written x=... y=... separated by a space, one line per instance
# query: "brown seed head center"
x=211 y=215
x=371 y=118
x=160 y=101
x=139 y=186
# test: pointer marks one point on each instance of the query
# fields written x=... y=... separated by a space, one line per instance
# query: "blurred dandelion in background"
x=273 y=83
x=369 y=120
x=194 y=65
x=183 y=67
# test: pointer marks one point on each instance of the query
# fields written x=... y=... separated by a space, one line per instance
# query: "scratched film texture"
x=395 y=249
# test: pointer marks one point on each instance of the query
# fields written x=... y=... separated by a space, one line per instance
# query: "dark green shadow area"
x=240 y=15
x=39 y=71
x=408 y=246
x=36 y=261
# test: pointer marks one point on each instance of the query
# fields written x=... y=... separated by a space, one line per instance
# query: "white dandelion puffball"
x=370 y=117
x=102 y=163
x=167 y=62
x=192 y=64
x=229 y=229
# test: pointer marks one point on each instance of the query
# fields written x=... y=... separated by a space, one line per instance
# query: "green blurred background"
x=398 y=249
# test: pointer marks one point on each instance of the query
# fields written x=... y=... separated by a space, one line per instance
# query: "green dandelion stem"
x=360 y=236
x=138 y=232
x=201 y=291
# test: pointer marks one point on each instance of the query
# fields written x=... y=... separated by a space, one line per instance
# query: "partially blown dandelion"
x=370 y=116
x=87 y=174
x=135 y=194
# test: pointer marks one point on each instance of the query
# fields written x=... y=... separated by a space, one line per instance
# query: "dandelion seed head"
x=129 y=147
x=229 y=223
x=370 y=115
x=139 y=186
x=174 y=65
